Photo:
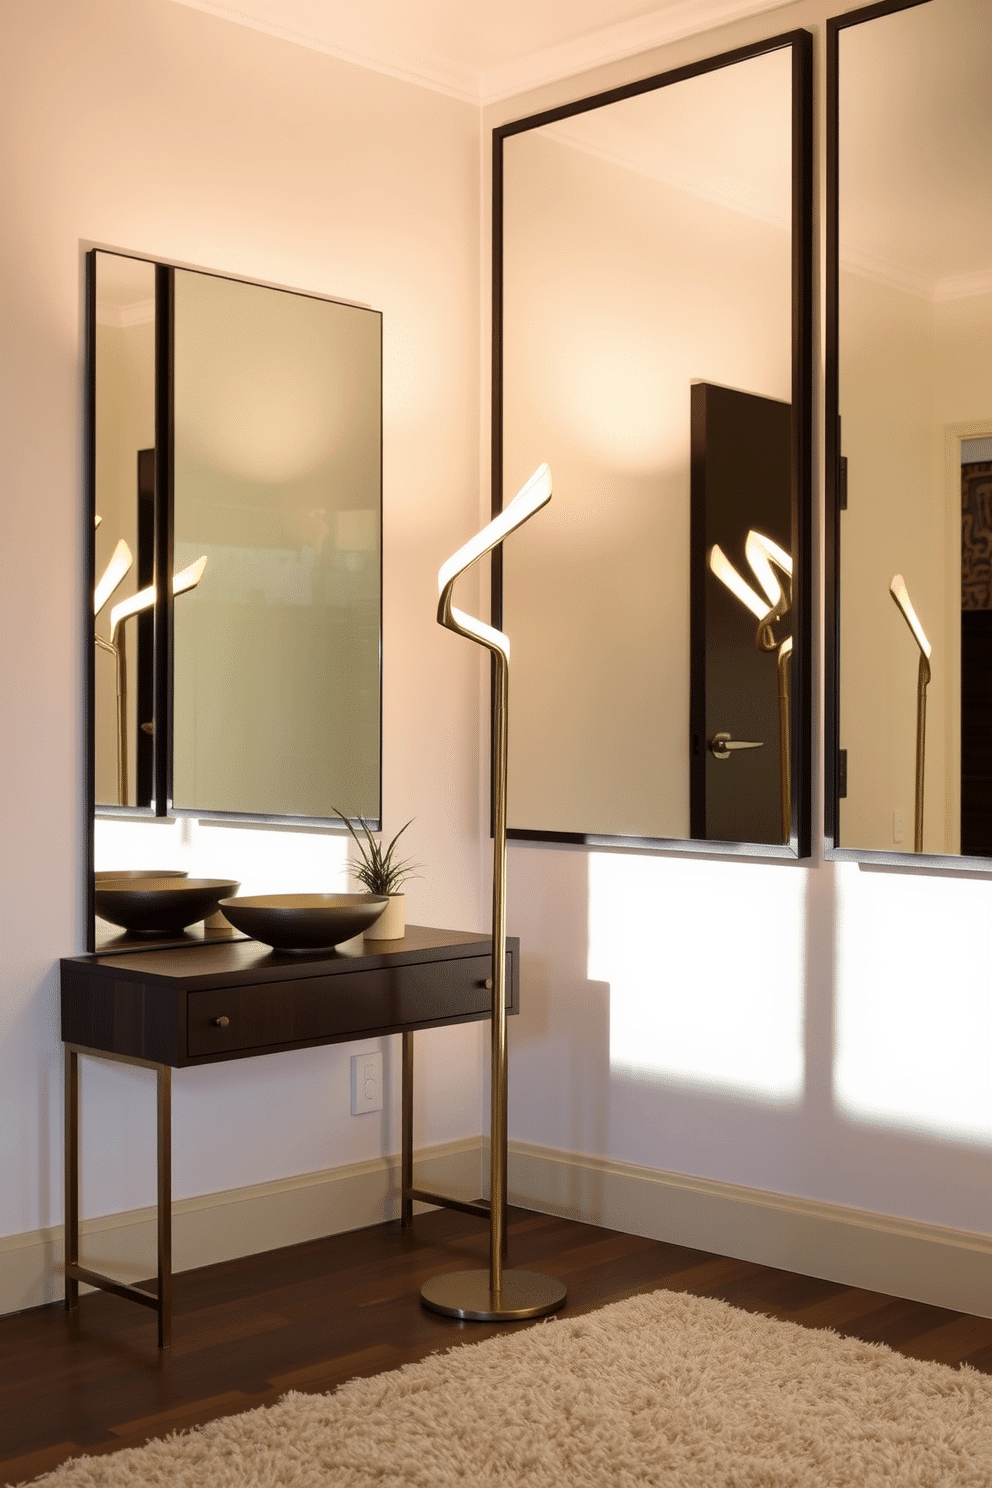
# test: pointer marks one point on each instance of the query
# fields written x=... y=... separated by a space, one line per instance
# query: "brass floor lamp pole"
x=496 y=1294
x=785 y=768
x=900 y=594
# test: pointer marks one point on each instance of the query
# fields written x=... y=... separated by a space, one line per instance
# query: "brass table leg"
x=164 y=1092
x=406 y=1134
x=70 y=1245
x=161 y=1298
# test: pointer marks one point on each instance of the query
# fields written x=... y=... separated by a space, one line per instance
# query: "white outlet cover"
x=366 y=1083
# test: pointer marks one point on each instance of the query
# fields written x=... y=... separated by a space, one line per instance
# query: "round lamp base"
x=468 y=1295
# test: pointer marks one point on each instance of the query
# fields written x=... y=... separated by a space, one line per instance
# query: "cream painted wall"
x=152 y=127
x=818 y=1031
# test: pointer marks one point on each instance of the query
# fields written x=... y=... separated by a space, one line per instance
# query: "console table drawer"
x=233 y=1019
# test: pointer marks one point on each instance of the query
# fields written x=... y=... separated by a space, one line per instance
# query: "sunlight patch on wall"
x=913 y=1041
x=705 y=966
x=263 y=861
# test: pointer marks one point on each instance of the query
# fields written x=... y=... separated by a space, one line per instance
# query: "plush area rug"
x=664 y=1389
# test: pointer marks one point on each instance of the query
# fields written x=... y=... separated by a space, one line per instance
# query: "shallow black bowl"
x=303 y=922
x=159 y=906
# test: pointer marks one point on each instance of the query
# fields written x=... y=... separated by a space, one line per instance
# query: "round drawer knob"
x=220 y=1022
x=488 y=984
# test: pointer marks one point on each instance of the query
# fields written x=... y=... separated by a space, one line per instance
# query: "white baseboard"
x=943 y=1267
x=242 y=1221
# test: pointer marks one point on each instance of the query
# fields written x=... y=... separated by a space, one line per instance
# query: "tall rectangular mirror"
x=652 y=312
x=235 y=493
x=909 y=425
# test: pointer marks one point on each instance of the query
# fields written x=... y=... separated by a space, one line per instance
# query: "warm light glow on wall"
x=718 y=1005
x=913 y=1039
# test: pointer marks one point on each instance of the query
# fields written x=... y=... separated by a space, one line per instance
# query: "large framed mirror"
x=909 y=434
x=652 y=302
x=234 y=507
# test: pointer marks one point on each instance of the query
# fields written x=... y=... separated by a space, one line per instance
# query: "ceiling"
x=482 y=50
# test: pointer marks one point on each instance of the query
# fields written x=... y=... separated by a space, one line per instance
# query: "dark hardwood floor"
x=312 y=1316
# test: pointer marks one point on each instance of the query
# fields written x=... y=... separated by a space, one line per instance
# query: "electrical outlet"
x=366 y=1083
x=899 y=825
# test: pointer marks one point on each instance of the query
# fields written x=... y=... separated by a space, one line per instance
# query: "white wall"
x=819 y=1032
x=153 y=127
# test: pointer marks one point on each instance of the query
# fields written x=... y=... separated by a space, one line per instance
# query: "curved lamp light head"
x=529 y=499
x=764 y=555
x=762 y=552
x=728 y=575
x=115 y=570
x=186 y=578
x=900 y=594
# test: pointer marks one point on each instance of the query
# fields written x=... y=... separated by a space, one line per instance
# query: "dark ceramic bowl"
x=159 y=906
x=303 y=922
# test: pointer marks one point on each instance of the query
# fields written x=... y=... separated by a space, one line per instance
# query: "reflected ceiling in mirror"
x=910 y=408
x=651 y=323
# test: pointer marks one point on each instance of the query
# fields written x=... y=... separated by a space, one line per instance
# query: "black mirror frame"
x=801 y=44
x=834 y=493
x=163 y=645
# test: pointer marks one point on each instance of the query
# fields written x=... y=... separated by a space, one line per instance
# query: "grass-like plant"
x=379 y=870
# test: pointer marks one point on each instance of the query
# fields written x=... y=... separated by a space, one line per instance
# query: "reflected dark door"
x=741 y=480
x=976 y=658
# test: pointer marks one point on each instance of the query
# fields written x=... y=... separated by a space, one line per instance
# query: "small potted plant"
x=381 y=872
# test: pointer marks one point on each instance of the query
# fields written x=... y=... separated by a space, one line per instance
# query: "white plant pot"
x=391 y=924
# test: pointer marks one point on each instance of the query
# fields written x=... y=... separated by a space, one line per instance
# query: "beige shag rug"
x=665 y=1389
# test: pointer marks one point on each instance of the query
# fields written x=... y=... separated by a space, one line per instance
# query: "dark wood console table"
x=172 y=1009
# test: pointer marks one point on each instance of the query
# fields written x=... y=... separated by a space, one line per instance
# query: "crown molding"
x=702 y=192
x=893 y=275
x=551 y=64
x=914 y=282
x=448 y=77
x=613 y=43
x=964 y=286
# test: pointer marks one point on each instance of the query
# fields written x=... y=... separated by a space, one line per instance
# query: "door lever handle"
x=721 y=744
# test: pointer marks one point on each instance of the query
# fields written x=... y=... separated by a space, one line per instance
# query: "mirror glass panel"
x=277 y=479
x=649 y=354
x=258 y=676
x=914 y=395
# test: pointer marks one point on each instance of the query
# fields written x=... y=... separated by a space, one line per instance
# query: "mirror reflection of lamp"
x=765 y=556
x=183 y=581
x=900 y=594
x=114 y=572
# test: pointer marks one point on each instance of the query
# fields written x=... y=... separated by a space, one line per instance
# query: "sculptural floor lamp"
x=900 y=594
x=496 y=1294
x=764 y=556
